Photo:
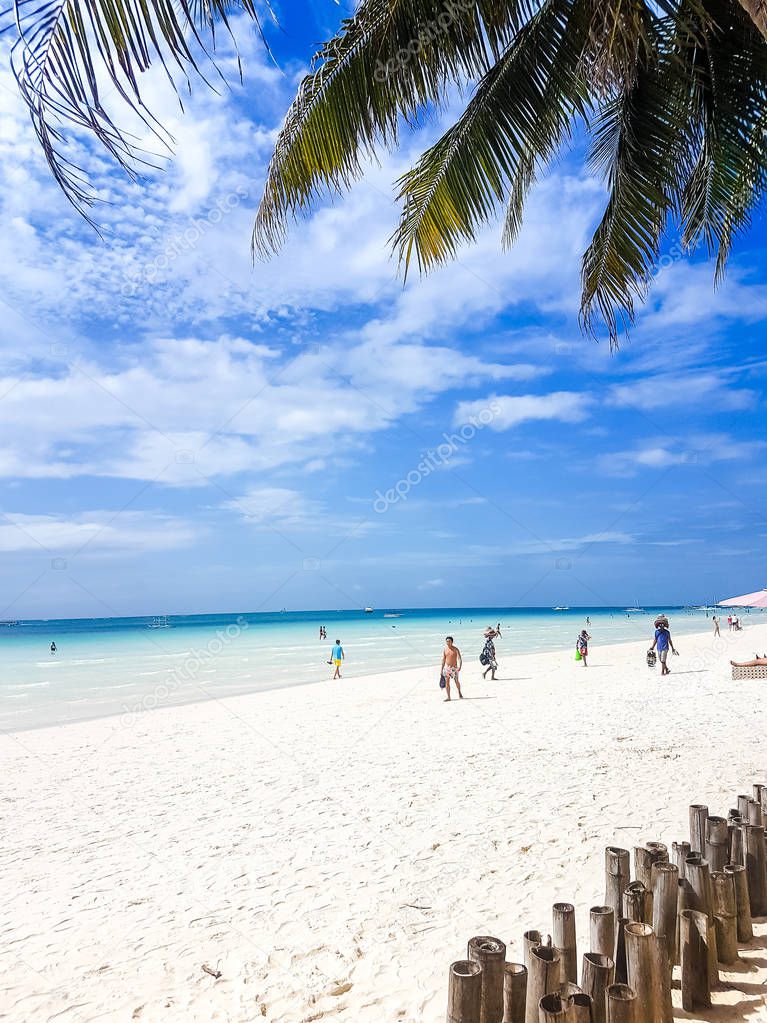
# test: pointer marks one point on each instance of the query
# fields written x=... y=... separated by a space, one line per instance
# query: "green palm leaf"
x=389 y=62
x=70 y=54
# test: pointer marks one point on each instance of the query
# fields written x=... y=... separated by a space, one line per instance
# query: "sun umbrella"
x=757 y=599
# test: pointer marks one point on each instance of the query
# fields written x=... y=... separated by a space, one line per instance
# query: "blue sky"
x=182 y=431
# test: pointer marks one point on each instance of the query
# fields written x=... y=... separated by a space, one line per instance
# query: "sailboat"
x=160 y=622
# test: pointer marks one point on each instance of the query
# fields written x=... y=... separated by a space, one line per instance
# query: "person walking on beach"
x=53 y=648
x=715 y=620
x=451 y=667
x=582 y=646
x=487 y=657
x=337 y=655
x=663 y=642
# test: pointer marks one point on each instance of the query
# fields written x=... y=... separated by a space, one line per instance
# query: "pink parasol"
x=757 y=599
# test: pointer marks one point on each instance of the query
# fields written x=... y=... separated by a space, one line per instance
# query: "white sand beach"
x=330 y=848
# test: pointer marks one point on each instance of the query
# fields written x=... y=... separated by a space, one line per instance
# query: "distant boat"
x=633 y=609
x=561 y=609
x=160 y=622
x=368 y=610
x=9 y=623
x=391 y=615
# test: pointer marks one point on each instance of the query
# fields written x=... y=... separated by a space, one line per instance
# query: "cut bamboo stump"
x=760 y=794
x=694 y=952
x=621 y=967
x=617 y=876
x=742 y=901
x=553 y=1008
x=698 y=814
x=464 y=994
x=514 y=992
x=621 y=1003
x=567 y=988
x=597 y=975
x=543 y=978
x=735 y=835
x=725 y=916
x=563 y=939
x=681 y=851
x=697 y=873
x=743 y=806
x=755 y=860
x=755 y=813
x=637 y=903
x=580 y=1008
x=649 y=974
x=530 y=939
x=717 y=843
x=665 y=895
x=602 y=930
x=644 y=857
x=490 y=953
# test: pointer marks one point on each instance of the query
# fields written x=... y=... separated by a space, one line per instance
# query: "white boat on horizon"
x=368 y=610
x=560 y=609
x=160 y=622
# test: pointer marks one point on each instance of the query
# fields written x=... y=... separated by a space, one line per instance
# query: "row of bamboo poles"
x=690 y=910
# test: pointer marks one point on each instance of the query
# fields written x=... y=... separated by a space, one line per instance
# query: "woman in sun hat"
x=487 y=657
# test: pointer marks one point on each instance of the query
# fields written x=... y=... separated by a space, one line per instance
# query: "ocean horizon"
x=126 y=665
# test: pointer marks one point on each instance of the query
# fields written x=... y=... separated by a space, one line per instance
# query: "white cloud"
x=674 y=389
x=665 y=453
x=96 y=531
x=510 y=411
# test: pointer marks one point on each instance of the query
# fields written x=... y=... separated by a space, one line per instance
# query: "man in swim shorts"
x=337 y=655
x=451 y=666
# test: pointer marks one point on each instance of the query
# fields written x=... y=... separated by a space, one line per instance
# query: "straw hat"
x=489 y=631
x=661 y=620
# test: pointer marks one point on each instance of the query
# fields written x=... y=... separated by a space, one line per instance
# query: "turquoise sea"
x=126 y=665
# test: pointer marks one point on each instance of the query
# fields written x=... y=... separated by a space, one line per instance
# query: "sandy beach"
x=330 y=848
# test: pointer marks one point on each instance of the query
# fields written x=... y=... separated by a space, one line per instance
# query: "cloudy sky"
x=183 y=431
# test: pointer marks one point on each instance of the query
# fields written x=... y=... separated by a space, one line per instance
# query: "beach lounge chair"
x=758 y=671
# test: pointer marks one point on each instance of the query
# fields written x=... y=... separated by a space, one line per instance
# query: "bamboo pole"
x=530 y=939
x=760 y=793
x=735 y=835
x=464 y=993
x=621 y=1002
x=694 y=953
x=602 y=930
x=621 y=967
x=698 y=814
x=649 y=973
x=755 y=868
x=717 y=842
x=743 y=806
x=490 y=953
x=755 y=813
x=644 y=857
x=681 y=851
x=697 y=873
x=742 y=901
x=637 y=903
x=563 y=939
x=543 y=978
x=567 y=988
x=665 y=895
x=617 y=876
x=725 y=916
x=597 y=975
x=514 y=992
x=553 y=1008
x=580 y=1008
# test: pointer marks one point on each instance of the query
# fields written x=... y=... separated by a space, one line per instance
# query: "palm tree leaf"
x=69 y=54
x=391 y=60
x=519 y=116
x=639 y=145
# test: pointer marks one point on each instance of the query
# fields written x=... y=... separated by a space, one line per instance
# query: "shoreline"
x=134 y=709
x=331 y=849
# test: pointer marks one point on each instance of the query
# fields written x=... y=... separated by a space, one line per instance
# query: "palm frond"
x=71 y=55
x=519 y=116
x=638 y=145
x=390 y=61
